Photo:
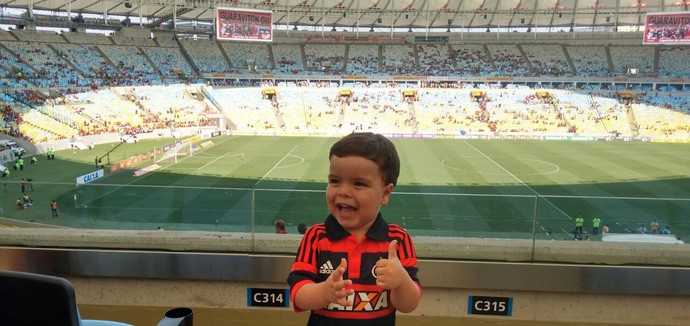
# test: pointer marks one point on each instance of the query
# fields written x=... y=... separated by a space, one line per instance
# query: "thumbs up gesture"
x=390 y=273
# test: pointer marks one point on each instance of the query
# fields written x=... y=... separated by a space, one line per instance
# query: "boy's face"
x=355 y=192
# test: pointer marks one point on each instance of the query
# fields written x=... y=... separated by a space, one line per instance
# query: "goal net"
x=171 y=154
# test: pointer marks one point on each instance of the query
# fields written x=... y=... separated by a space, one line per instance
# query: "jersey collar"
x=335 y=231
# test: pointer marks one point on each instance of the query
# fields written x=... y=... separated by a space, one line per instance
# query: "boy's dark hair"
x=373 y=147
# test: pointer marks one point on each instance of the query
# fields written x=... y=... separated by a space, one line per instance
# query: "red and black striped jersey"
x=322 y=248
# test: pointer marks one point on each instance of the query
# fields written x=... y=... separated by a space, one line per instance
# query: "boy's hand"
x=389 y=272
x=337 y=286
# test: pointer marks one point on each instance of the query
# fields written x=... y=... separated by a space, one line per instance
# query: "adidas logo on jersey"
x=326 y=268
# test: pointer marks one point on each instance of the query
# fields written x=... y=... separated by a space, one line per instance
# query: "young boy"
x=355 y=268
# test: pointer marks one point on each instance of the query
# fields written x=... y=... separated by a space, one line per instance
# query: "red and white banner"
x=667 y=28
x=244 y=25
x=146 y=169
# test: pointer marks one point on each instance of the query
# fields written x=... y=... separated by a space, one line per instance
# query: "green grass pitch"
x=447 y=187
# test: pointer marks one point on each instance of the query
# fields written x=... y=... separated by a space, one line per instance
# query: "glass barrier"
x=140 y=207
x=291 y=206
x=462 y=215
x=532 y=221
x=641 y=220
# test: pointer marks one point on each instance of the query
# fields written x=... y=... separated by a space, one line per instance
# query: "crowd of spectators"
x=124 y=61
x=46 y=59
x=447 y=109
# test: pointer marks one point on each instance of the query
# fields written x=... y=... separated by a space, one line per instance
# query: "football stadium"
x=150 y=149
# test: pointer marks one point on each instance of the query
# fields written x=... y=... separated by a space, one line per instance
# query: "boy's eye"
x=359 y=184
x=333 y=181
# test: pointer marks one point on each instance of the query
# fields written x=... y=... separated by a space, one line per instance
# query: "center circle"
x=543 y=167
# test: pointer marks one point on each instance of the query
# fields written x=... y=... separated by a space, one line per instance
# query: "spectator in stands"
x=302 y=228
x=666 y=229
x=605 y=229
x=364 y=169
x=654 y=227
x=54 y=207
x=280 y=227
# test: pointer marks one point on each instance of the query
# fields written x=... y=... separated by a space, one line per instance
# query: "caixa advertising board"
x=86 y=178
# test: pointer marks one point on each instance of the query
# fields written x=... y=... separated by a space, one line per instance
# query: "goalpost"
x=171 y=153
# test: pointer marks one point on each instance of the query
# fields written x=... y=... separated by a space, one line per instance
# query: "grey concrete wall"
x=507 y=250
x=214 y=303
x=551 y=282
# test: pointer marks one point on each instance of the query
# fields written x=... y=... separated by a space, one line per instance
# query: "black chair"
x=29 y=299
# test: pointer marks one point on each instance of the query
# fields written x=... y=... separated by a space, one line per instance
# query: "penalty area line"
x=276 y=165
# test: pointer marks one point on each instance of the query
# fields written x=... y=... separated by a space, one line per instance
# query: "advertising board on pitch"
x=86 y=178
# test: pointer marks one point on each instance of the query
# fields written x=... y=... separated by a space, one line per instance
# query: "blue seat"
x=41 y=300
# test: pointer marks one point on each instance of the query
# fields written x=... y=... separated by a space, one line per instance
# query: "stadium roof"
x=384 y=13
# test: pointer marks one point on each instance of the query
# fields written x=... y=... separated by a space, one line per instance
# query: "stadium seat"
x=41 y=300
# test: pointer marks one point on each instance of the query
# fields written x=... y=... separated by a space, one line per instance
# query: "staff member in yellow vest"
x=578 y=224
x=595 y=225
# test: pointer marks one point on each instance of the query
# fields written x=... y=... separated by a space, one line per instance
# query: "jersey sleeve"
x=304 y=269
x=406 y=251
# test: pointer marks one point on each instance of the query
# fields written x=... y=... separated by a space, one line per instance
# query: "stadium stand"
x=170 y=62
x=288 y=58
x=362 y=59
x=242 y=57
x=206 y=56
x=472 y=60
x=133 y=69
x=673 y=63
x=589 y=61
x=325 y=59
x=435 y=60
x=547 y=60
x=399 y=59
x=508 y=60
x=628 y=58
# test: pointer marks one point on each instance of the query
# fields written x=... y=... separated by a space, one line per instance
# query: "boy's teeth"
x=346 y=208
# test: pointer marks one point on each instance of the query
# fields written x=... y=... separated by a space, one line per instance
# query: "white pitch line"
x=276 y=165
x=216 y=159
x=502 y=168
x=144 y=176
x=516 y=178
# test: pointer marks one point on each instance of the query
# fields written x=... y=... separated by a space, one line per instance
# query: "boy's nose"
x=344 y=190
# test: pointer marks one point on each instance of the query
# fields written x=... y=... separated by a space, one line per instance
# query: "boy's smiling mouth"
x=346 y=209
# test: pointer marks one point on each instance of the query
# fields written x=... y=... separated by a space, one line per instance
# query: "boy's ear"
x=387 y=193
